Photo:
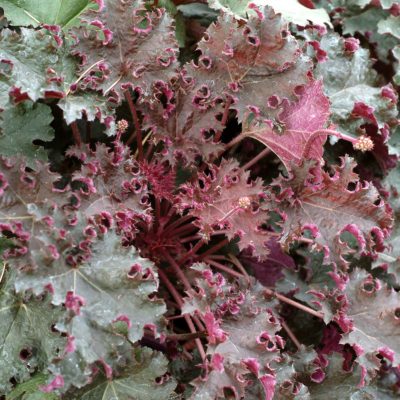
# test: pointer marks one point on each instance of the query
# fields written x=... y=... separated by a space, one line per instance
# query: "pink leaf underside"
x=299 y=119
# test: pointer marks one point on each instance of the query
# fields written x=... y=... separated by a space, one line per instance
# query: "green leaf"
x=107 y=292
x=391 y=26
x=32 y=63
x=386 y=4
x=89 y=104
x=26 y=326
x=20 y=126
x=372 y=309
x=396 y=53
x=239 y=8
x=369 y=21
x=291 y=10
x=137 y=382
x=29 y=390
x=339 y=384
x=349 y=78
x=294 y=12
x=104 y=284
x=52 y=12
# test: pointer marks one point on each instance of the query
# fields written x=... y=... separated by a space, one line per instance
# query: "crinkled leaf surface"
x=300 y=122
x=291 y=10
x=126 y=45
x=367 y=21
x=295 y=12
x=34 y=67
x=20 y=126
x=312 y=285
x=37 y=67
x=31 y=215
x=326 y=207
x=389 y=258
x=182 y=125
x=339 y=384
x=87 y=104
x=373 y=310
x=136 y=382
x=391 y=26
x=113 y=181
x=250 y=347
x=27 y=339
x=216 y=203
x=100 y=291
x=349 y=79
x=250 y=62
x=51 y=12
x=29 y=390
x=83 y=263
x=105 y=286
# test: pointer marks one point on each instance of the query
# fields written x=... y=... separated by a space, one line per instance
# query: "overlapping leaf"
x=20 y=126
x=138 y=381
x=125 y=45
x=299 y=138
x=373 y=312
x=324 y=205
x=57 y=12
x=342 y=384
x=251 y=62
x=28 y=341
x=351 y=85
x=33 y=66
x=111 y=181
x=291 y=10
x=225 y=201
x=184 y=127
x=241 y=355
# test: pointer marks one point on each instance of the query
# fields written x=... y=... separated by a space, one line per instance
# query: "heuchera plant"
x=199 y=200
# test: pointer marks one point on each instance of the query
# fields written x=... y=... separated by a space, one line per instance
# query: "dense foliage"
x=199 y=200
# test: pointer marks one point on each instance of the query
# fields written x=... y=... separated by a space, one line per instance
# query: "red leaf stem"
x=295 y=304
x=224 y=268
x=179 y=300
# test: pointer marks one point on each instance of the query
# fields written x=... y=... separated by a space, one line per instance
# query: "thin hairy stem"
x=193 y=250
x=290 y=333
x=255 y=159
x=295 y=304
x=177 y=223
x=239 y=265
x=213 y=249
x=187 y=318
x=224 y=268
x=177 y=270
x=325 y=132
